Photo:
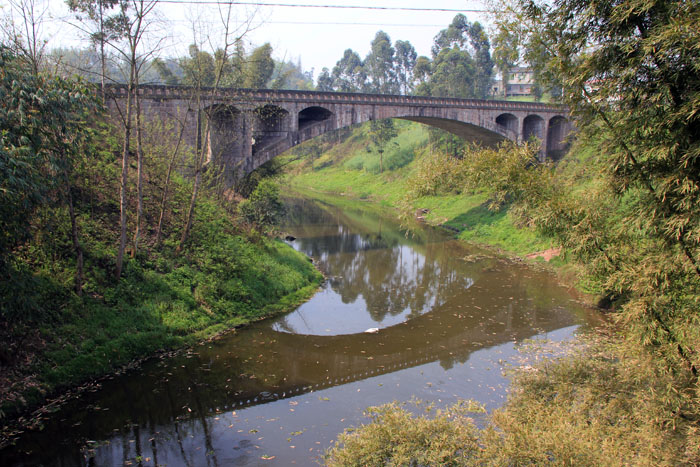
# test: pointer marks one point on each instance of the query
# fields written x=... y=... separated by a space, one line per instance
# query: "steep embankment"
x=350 y=165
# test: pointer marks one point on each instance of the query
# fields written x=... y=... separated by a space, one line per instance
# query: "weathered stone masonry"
x=248 y=127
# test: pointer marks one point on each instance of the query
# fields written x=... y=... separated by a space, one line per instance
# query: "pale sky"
x=318 y=35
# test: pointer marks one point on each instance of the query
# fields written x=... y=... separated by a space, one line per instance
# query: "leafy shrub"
x=264 y=208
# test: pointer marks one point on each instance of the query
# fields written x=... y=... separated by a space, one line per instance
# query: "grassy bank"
x=164 y=300
x=351 y=168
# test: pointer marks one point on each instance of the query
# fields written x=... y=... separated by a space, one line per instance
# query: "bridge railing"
x=271 y=95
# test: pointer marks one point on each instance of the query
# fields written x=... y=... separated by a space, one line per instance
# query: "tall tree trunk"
x=124 y=178
x=102 y=51
x=201 y=152
x=139 y=173
x=76 y=245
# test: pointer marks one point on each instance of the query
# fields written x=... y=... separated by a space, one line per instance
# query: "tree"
x=481 y=51
x=405 y=61
x=264 y=208
x=461 y=65
x=259 y=67
x=380 y=133
x=232 y=39
x=349 y=74
x=198 y=69
x=99 y=26
x=379 y=65
x=453 y=74
x=506 y=54
x=133 y=24
x=325 y=82
x=629 y=73
x=421 y=75
x=42 y=120
x=23 y=29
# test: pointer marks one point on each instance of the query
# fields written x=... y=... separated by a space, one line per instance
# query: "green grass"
x=165 y=300
x=348 y=170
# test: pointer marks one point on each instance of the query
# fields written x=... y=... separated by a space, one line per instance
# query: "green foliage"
x=379 y=66
x=40 y=141
x=348 y=74
x=436 y=174
x=636 y=93
x=380 y=132
x=600 y=405
x=395 y=437
x=259 y=67
x=264 y=209
x=59 y=180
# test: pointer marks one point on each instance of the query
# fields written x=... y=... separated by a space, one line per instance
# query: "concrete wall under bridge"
x=247 y=127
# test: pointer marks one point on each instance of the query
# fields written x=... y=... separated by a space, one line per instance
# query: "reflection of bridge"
x=170 y=400
x=248 y=127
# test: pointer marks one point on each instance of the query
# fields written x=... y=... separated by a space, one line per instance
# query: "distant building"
x=520 y=83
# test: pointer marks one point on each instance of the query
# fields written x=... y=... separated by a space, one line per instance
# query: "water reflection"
x=261 y=396
x=380 y=275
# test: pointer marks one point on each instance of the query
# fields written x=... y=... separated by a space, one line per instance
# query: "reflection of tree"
x=369 y=256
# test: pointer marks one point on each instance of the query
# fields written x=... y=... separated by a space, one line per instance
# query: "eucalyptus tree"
x=198 y=69
x=379 y=66
x=324 y=81
x=462 y=65
x=481 y=52
x=506 y=53
x=259 y=67
x=404 y=63
x=349 y=74
x=421 y=75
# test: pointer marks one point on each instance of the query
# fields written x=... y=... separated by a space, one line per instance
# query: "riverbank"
x=165 y=300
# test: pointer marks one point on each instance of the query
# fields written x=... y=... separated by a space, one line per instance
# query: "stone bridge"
x=242 y=129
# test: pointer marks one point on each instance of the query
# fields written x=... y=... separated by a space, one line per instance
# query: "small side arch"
x=508 y=122
x=533 y=126
x=557 y=141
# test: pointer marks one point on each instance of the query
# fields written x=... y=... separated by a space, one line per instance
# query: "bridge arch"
x=533 y=126
x=557 y=132
x=508 y=123
x=310 y=116
x=270 y=122
x=465 y=130
x=224 y=124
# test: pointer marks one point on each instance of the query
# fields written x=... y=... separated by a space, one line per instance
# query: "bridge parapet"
x=257 y=95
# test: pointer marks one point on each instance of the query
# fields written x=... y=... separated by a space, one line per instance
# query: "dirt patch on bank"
x=546 y=254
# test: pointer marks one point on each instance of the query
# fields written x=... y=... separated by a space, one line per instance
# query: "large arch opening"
x=223 y=139
x=533 y=127
x=508 y=122
x=312 y=115
x=464 y=130
x=557 y=141
x=270 y=123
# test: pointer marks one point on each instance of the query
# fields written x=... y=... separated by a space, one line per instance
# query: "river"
x=448 y=318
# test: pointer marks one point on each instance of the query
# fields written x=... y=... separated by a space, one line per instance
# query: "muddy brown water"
x=448 y=318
